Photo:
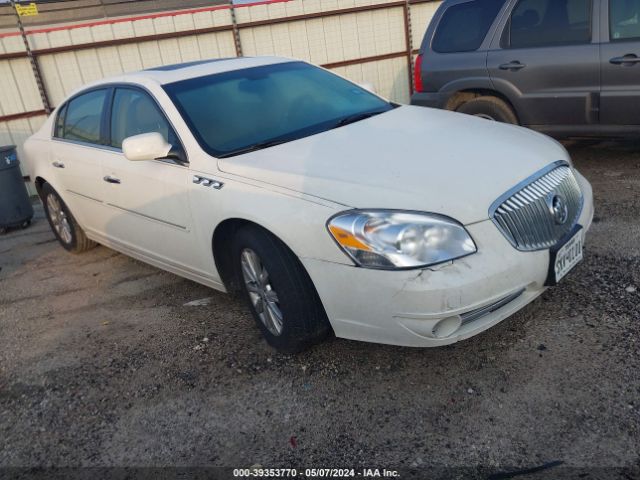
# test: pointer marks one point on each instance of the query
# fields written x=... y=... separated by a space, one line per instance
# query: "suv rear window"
x=543 y=23
x=464 y=26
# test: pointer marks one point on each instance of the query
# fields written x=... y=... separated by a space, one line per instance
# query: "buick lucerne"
x=328 y=208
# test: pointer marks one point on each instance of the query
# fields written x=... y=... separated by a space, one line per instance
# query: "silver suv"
x=564 y=67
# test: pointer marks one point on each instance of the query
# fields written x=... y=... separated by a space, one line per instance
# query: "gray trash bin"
x=15 y=205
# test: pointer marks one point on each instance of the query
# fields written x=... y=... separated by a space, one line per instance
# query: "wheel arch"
x=461 y=88
x=463 y=96
x=39 y=183
x=221 y=243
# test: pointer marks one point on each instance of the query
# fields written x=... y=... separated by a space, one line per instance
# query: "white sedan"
x=330 y=209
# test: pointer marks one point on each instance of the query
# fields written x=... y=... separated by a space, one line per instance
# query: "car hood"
x=410 y=158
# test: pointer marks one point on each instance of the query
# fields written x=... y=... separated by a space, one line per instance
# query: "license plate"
x=565 y=258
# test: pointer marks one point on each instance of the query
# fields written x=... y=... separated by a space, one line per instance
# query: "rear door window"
x=543 y=23
x=463 y=27
x=624 y=18
x=83 y=117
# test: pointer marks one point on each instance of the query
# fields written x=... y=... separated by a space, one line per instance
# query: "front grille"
x=532 y=216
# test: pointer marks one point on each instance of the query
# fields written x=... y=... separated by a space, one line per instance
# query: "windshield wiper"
x=254 y=147
x=356 y=117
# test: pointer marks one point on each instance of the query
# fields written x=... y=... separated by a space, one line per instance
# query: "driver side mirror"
x=146 y=146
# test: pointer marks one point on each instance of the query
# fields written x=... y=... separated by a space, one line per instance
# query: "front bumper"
x=416 y=308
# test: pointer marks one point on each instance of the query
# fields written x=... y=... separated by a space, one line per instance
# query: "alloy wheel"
x=262 y=295
x=59 y=218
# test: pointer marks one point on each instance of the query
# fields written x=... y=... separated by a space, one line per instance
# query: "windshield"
x=243 y=110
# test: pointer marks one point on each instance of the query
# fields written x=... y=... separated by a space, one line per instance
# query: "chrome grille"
x=525 y=215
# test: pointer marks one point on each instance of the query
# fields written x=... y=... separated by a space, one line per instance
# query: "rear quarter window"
x=463 y=27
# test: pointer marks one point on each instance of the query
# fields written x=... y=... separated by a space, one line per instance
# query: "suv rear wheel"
x=489 y=108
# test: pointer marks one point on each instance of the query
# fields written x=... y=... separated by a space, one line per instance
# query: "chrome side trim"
x=80 y=143
x=148 y=217
x=109 y=148
x=478 y=313
x=84 y=196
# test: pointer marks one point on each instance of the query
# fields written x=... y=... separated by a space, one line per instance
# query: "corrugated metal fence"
x=364 y=40
x=56 y=11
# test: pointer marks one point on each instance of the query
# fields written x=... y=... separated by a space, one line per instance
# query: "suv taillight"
x=417 y=74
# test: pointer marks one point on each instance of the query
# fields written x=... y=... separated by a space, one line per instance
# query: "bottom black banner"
x=553 y=470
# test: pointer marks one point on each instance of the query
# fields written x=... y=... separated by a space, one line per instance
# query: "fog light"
x=447 y=326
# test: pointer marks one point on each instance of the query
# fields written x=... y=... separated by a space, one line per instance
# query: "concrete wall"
x=348 y=36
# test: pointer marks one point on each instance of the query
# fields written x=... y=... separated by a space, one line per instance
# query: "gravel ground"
x=102 y=364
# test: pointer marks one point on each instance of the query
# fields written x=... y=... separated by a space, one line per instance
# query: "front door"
x=620 y=54
x=149 y=202
x=550 y=61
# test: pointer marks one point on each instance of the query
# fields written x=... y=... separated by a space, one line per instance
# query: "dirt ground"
x=103 y=364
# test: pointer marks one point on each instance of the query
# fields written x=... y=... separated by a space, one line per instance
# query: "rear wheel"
x=489 y=108
x=62 y=222
x=280 y=294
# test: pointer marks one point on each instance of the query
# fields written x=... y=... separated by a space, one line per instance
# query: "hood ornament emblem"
x=558 y=208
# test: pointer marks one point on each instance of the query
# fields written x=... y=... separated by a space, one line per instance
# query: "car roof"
x=182 y=71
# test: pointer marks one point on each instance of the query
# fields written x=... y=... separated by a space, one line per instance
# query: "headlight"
x=392 y=239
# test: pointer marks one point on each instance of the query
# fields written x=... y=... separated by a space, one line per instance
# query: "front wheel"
x=280 y=294
x=64 y=226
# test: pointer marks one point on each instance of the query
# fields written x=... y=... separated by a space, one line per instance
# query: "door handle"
x=110 y=179
x=515 y=65
x=627 y=60
x=58 y=164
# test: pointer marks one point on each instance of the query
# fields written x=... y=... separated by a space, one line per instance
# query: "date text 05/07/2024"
x=314 y=473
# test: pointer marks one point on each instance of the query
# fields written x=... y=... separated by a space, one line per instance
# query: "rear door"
x=547 y=59
x=620 y=53
x=454 y=49
x=76 y=154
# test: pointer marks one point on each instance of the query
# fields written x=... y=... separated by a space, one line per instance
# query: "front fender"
x=299 y=222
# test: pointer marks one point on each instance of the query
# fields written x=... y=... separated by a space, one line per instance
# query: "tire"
x=287 y=287
x=491 y=108
x=62 y=222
